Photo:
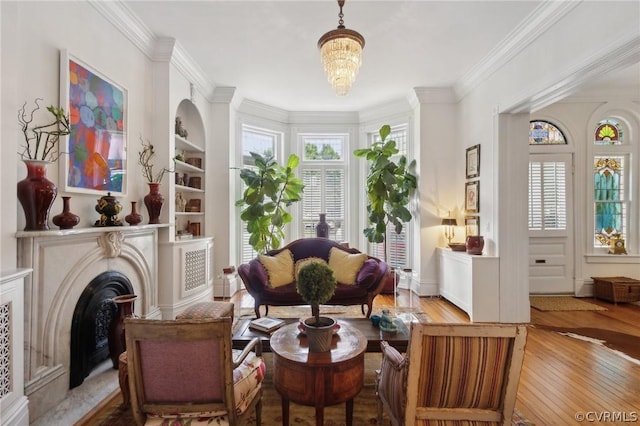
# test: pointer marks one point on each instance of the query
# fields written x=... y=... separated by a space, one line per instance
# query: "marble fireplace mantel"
x=63 y=264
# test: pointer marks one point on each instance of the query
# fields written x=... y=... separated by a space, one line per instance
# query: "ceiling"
x=268 y=49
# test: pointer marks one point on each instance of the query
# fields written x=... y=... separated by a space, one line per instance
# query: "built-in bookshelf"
x=189 y=189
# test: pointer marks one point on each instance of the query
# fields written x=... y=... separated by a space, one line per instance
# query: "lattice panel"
x=5 y=349
x=195 y=269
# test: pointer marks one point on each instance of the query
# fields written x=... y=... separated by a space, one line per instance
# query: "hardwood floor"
x=563 y=377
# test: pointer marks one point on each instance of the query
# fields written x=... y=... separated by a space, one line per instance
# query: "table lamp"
x=449 y=224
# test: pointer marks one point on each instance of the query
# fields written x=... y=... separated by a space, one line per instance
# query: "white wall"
x=33 y=33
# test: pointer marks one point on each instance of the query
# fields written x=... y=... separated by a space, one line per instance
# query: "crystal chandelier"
x=341 y=54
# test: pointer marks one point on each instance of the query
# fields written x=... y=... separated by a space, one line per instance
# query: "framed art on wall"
x=472 y=197
x=95 y=152
x=473 y=161
x=472 y=225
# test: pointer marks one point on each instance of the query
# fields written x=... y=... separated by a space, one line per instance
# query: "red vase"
x=154 y=201
x=117 y=344
x=36 y=194
x=66 y=219
x=475 y=244
x=134 y=217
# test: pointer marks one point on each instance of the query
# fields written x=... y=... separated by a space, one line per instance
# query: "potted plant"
x=36 y=193
x=270 y=189
x=390 y=185
x=316 y=283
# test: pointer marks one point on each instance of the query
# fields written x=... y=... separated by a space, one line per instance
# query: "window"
x=545 y=133
x=609 y=199
x=263 y=142
x=396 y=243
x=323 y=172
x=547 y=195
x=610 y=183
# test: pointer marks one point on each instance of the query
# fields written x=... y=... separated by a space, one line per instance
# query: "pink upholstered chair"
x=461 y=372
x=186 y=370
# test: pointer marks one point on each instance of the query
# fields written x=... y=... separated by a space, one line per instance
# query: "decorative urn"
x=108 y=207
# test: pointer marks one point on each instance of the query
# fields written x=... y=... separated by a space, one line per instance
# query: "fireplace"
x=68 y=267
x=92 y=320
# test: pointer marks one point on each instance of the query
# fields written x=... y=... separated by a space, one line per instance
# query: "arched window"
x=608 y=132
x=545 y=133
x=610 y=185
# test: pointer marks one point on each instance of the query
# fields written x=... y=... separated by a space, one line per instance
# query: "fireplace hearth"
x=92 y=320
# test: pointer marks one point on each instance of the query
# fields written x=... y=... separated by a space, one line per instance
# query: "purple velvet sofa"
x=370 y=279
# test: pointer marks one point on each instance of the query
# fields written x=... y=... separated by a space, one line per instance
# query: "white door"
x=551 y=263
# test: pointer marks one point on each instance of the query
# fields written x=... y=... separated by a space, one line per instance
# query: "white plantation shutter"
x=547 y=196
x=264 y=142
x=396 y=243
x=324 y=193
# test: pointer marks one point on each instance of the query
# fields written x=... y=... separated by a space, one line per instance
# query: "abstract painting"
x=96 y=147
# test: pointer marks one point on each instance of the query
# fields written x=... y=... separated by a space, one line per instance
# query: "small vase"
x=475 y=244
x=66 y=219
x=134 y=217
x=36 y=194
x=322 y=228
x=116 y=330
x=154 y=201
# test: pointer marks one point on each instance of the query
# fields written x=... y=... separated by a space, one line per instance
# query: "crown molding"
x=261 y=110
x=621 y=53
x=533 y=26
x=122 y=17
x=158 y=49
x=435 y=95
x=223 y=95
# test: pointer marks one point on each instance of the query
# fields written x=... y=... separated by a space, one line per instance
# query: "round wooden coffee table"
x=318 y=379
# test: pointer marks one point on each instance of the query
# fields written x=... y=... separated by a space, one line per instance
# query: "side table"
x=318 y=379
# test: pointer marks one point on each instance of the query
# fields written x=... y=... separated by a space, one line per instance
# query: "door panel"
x=551 y=260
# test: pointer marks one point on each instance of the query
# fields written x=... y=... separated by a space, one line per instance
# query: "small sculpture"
x=181 y=203
x=386 y=322
x=180 y=130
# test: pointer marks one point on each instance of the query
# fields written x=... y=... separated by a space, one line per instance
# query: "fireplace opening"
x=92 y=318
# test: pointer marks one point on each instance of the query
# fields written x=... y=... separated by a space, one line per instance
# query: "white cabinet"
x=186 y=275
x=471 y=282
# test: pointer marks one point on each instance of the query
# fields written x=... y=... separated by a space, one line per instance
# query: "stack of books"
x=266 y=324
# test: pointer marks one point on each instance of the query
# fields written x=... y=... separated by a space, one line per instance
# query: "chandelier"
x=341 y=54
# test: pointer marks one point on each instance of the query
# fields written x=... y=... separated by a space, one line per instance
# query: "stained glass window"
x=609 y=197
x=608 y=132
x=545 y=133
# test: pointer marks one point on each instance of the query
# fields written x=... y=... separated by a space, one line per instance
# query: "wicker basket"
x=617 y=289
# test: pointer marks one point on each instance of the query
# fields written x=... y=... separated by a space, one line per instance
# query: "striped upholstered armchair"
x=452 y=372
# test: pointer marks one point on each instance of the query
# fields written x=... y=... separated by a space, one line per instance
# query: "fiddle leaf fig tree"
x=270 y=189
x=389 y=185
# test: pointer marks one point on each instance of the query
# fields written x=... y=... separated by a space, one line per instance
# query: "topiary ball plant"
x=316 y=284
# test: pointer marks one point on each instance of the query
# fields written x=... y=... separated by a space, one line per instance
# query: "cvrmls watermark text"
x=606 y=416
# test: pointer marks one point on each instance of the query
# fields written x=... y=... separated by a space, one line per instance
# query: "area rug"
x=624 y=344
x=110 y=413
x=563 y=303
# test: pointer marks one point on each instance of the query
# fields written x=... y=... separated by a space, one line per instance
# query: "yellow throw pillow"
x=300 y=263
x=345 y=265
x=279 y=267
